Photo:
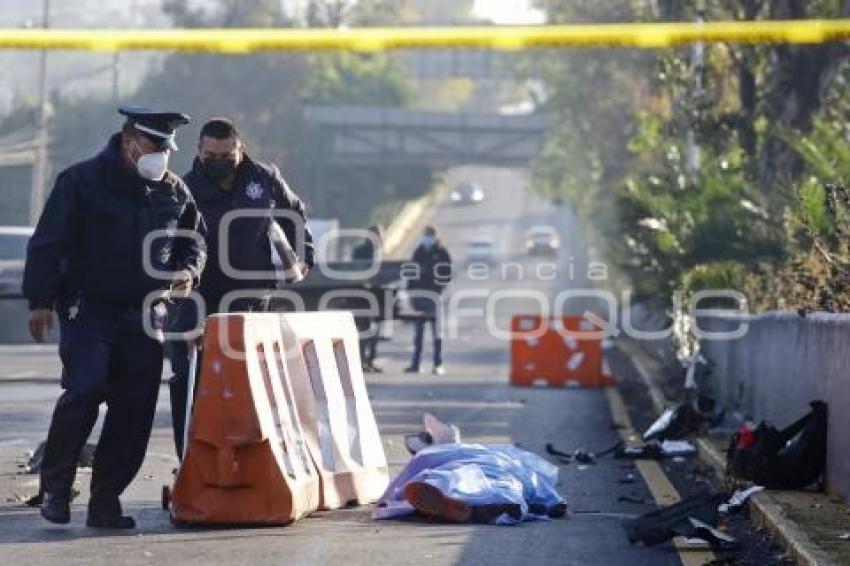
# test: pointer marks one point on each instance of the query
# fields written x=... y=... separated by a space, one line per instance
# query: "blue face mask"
x=427 y=241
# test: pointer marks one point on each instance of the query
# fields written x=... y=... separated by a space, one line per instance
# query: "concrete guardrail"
x=783 y=362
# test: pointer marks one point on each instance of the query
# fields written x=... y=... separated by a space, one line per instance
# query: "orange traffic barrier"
x=339 y=425
x=246 y=460
x=557 y=352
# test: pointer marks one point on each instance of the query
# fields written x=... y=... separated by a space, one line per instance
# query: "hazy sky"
x=508 y=11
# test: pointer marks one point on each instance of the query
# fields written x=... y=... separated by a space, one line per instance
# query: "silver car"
x=467 y=192
x=480 y=250
x=13 y=255
x=542 y=240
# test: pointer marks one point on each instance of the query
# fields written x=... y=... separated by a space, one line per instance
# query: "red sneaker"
x=432 y=502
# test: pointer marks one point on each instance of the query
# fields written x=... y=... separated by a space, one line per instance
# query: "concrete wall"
x=781 y=363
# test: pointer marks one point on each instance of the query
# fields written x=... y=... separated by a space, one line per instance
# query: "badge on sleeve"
x=254 y=191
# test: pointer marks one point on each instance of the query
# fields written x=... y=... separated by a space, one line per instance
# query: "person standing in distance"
x=224 y=179
x=369 y=250
x=86 y=262
x=432 y=275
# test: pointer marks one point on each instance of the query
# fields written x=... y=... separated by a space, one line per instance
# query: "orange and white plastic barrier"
x=339 y=425
x=557 y=352
x=246 y=461
x=281 y=424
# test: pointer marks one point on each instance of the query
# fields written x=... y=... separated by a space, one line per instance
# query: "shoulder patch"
x=254 y=190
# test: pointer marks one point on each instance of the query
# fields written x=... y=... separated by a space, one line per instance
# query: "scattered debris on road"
x=678 y=422
x=632 y=499
x=33 y=465
x=580 y=455
x=628 y=478
x=655 y=450
x=694 y=517
x=737 y=500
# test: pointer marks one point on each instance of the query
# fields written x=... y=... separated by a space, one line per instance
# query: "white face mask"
x=152 y=166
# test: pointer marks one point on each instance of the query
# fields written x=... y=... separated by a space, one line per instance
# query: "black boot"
x=107 y=514
x=56 y=509
x=119 y=521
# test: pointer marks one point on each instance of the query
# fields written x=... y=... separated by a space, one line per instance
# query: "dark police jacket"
x=260 y=189
x=434 y=271
x=365 y=251
x=89 y=239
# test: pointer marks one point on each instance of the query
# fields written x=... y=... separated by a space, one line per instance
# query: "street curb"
x=764 y=511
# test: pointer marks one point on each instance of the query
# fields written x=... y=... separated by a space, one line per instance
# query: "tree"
x=265 y=94
x=750 y=213
x=594 y=97
x=799 y=80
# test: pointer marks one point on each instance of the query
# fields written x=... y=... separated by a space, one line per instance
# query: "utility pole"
x=39 y=172
x=694 y=157
x=115 y=87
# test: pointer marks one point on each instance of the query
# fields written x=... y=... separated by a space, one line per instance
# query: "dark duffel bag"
x=792 y=458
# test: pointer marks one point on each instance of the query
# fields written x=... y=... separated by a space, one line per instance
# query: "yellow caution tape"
x=639 y=35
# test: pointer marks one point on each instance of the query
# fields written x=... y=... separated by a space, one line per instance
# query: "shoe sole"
x=432 y=502
x=110 y=524
x=63 y=520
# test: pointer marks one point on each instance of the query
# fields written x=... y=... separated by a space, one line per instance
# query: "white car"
x=467 y=192
x=480 y=250
x=542 y=240
x=13 y=255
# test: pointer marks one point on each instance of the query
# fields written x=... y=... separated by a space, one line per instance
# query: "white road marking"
x=28 y=348
x=20 y=374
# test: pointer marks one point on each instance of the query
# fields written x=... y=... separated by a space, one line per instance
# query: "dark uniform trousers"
x=106 y=357
x=183 y=318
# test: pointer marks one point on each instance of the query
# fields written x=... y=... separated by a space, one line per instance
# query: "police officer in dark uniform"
x=369 y=250
x=85 y=261
x=224 y=179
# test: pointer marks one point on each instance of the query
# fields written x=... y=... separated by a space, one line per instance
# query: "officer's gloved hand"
x=182 y=285
x=40 y=322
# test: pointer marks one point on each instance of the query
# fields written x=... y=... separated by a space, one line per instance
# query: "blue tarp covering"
x=478 y=475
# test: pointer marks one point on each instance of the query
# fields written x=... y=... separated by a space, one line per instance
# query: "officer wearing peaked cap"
x=86 y=262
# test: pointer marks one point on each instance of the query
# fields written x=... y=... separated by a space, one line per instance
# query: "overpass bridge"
x=360 y=140
x=358 y=135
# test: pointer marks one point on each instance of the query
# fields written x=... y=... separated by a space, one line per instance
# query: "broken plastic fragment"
x=677 y=448
x=738 y=498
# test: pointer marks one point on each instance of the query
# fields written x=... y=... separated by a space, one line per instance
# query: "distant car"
x=480 y=250
x=13 y=255
x=467 y=192
x=542 y=240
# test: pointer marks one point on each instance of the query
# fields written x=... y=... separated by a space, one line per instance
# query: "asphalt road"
x=474 y=394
